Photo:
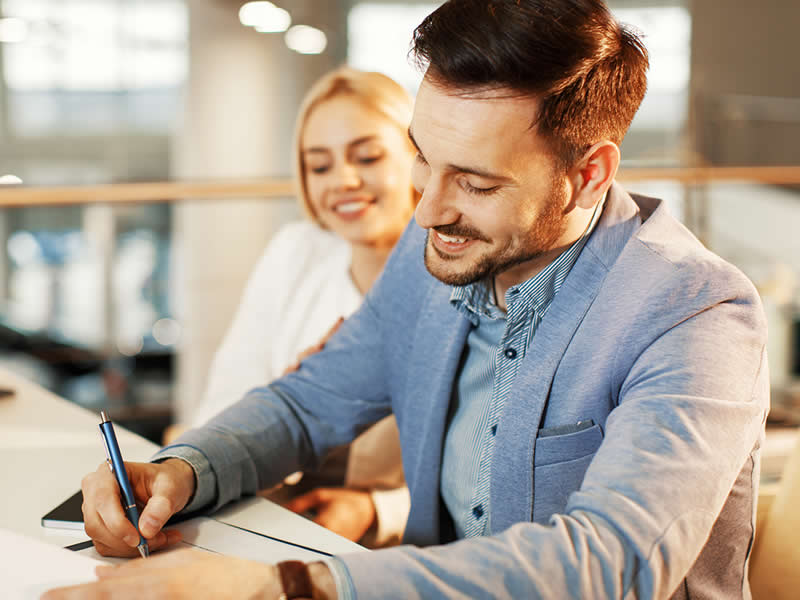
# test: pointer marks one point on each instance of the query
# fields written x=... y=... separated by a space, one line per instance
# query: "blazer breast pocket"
x=559 y=464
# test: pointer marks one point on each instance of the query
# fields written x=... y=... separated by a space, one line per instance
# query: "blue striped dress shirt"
x=494 y=351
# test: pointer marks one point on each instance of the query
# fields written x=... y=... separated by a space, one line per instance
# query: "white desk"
x=48 y=444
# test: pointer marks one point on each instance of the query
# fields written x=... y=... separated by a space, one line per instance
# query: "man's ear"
x=593 y=174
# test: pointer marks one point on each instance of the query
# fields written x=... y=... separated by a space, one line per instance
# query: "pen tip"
x=144 y=551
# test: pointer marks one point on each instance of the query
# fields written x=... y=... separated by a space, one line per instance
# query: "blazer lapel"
x=438 y=345
x=512 y=469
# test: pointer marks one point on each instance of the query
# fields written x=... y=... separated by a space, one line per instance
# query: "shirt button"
x=478 y=511
x=510 y=353
x=494 y=429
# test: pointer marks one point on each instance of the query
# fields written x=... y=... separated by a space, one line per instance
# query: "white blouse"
x=300 y=286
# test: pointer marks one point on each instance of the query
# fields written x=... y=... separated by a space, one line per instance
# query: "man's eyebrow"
x=463 y=169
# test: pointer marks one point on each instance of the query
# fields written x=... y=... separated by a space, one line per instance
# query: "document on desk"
x=210 y=535
x=29 y=568
x=261 y=516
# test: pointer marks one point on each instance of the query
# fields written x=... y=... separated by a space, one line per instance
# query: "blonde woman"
x=353 y=165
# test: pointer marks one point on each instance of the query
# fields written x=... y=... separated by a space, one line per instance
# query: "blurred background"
x=116 y=296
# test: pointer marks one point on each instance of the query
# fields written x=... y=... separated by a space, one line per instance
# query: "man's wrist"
x=187 y=474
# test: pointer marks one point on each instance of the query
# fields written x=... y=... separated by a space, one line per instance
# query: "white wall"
x=241 y=101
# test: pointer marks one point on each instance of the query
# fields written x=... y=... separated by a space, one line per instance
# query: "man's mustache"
x=465 y=231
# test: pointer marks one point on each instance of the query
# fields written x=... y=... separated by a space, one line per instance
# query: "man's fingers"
x=104 y=519
x=163 y=539
x=109 y=508
x=155 y=514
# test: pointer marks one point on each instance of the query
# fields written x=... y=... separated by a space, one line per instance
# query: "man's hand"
x=191 y=575
x=350 y=513
x=163 y=489
x=176 y=575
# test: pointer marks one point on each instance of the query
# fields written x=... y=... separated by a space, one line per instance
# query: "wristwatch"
x=295 y=580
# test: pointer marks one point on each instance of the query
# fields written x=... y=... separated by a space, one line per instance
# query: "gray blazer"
x=654 y=340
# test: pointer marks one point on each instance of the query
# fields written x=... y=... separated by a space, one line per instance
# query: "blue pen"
x=118 y=469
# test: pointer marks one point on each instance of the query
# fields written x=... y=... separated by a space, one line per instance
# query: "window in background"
x=91 y=91
x=379 y=38
x=658 y=133
x=95 y=66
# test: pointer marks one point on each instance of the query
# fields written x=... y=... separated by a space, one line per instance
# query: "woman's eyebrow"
x=362 y=140
x=322 y=149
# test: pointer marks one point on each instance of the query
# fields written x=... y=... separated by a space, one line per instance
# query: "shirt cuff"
x=341 y=577
x=205 y=491
x=391 y=510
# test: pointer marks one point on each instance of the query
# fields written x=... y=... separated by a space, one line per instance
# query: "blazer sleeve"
x=291 y=424
x=692 y=407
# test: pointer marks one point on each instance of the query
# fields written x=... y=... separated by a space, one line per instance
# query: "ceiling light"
x=10 y=180
x=265 y=17
x=306 y=40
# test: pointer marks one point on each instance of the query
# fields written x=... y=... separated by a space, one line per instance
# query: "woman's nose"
x=346 y=176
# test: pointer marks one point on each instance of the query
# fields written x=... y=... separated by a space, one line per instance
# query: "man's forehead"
x=479 y=114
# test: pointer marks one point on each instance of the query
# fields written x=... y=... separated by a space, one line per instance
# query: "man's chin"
x=447 y=270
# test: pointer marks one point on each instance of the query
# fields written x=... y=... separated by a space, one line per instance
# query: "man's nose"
x=435 y=208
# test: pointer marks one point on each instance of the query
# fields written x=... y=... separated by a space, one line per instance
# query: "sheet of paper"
x=29 y=567
x=209 y=535
x=262 y=516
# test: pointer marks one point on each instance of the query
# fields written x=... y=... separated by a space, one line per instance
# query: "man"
x=580 y=386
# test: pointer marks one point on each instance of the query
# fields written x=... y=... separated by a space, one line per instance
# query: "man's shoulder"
x=668 y=241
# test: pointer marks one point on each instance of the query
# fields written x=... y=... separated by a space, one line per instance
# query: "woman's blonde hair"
x=375 y=90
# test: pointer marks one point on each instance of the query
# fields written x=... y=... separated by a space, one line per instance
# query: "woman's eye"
x=368 y=160
x=319 y=170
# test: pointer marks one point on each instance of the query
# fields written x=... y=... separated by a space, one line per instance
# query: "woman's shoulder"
x=306 y=238
x=302 y=251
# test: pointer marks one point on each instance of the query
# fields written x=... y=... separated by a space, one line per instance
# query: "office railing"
x=18 y=196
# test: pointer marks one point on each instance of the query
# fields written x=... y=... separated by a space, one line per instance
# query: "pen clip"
x=108 y=452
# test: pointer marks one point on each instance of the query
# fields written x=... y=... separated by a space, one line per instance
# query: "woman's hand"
x=350 y=513
x=162 y=488
x=313 y=349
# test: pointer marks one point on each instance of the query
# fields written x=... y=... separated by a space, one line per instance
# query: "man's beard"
x=542 y=238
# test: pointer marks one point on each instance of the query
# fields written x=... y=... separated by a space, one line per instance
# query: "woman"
x=353 y=164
